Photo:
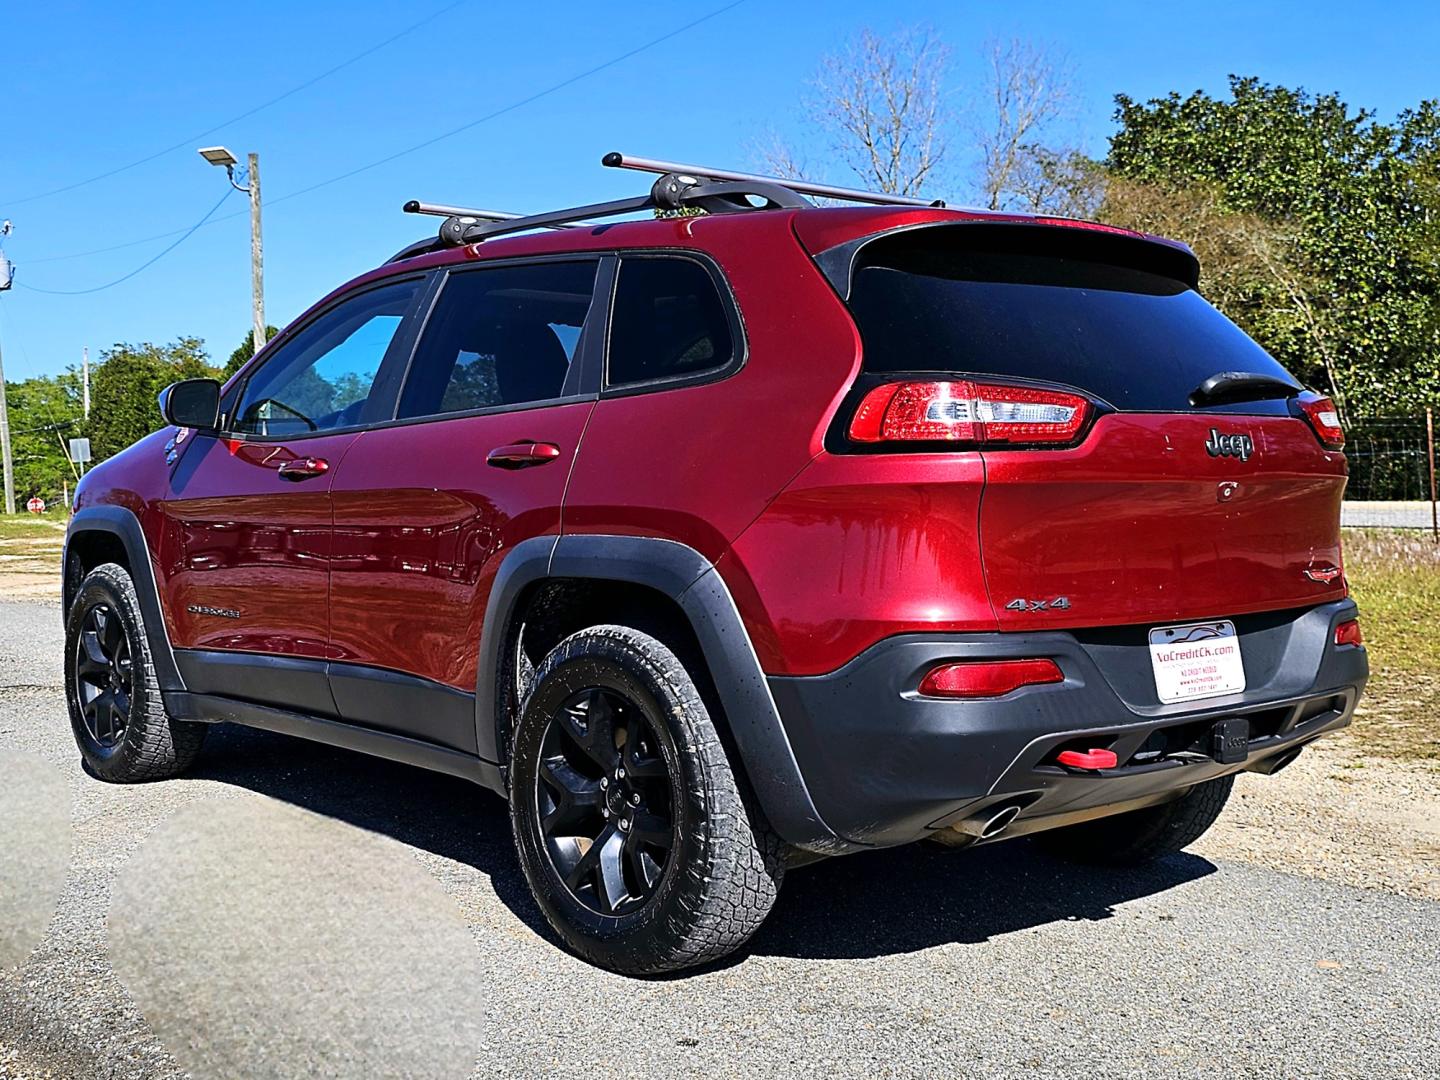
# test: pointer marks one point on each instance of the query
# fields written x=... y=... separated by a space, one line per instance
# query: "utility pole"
x=5 y=442
x=218 y=155
x=7 y=276
x=85 y=379
x=257 y=260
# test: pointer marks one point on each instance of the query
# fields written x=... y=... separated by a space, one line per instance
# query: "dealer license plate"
x=1198 y=660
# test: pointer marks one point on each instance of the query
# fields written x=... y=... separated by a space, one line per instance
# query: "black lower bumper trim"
x=885 y=765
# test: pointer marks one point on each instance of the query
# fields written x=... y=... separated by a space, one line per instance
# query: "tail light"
x=1324 y=418
x=1348 y=633
x=987 y=679
x=966 y=411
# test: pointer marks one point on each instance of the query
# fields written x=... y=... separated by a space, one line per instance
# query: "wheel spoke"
x=590 y=722
x=120 y=699
x=577 y=877
x=111 y=632
x=91 y=661
x=640 y=762
x=104 y=706
x=644 y=869
x=577 y=797
x=612 y=888
x=648 y=828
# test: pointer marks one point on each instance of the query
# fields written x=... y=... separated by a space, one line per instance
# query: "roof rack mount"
x=617 y=160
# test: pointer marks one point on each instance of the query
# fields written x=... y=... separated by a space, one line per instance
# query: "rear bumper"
x=884 y=765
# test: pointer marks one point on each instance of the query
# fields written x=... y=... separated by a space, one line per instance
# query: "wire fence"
x=1392 y=473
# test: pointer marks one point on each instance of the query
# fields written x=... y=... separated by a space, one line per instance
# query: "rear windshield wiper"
x=1242 y=386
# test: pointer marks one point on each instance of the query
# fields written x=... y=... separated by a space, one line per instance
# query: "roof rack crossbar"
x=617 y=160
x=414 y=206
x=457 y=231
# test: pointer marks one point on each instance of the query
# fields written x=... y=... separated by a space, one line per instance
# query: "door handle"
x=522 y=455
x=303 y=468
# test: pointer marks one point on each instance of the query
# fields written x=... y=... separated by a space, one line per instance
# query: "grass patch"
x=25 y=526
x=1395 y=578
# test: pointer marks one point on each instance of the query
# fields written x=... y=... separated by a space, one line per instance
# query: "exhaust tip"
x=1000 y=822
x=990 y=823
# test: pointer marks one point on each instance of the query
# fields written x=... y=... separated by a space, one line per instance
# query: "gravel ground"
x=996 y=962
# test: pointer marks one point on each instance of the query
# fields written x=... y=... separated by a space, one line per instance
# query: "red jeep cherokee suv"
x=748 y=534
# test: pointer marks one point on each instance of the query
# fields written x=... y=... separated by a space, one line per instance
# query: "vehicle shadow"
x=916 y=897
x=860 y=906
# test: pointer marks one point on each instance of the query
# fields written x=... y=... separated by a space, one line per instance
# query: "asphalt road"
x=294 y=910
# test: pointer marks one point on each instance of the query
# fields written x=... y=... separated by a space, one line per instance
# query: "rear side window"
x=991 y=306
x=500 y=336
x=668 y=322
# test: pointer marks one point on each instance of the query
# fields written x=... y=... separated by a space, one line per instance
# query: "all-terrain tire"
x=152 y=746
x=1141 y=836
x=725 y=868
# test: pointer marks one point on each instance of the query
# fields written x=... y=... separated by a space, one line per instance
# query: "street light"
x=218 y=155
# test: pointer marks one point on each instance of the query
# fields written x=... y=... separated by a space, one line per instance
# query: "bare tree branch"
x=880 y=105
x=1030 y=89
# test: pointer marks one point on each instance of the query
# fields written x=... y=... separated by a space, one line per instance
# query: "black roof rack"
x=678 y=187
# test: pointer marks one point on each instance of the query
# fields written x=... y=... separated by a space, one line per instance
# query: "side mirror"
x=192 y=403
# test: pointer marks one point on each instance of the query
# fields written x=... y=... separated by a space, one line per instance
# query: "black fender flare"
x=692 y=582
x=123 y=524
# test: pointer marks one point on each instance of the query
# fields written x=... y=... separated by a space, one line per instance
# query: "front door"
x=425 y=510
x=247 y=533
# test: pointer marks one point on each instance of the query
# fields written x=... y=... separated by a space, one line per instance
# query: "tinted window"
x=501 y=336
x=668 y=321
x=322 y=377
x=1137 y=339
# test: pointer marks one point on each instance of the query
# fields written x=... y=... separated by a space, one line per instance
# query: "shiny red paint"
x=238 y=536
x=421 y=524
x=859 y=548
x=1139 y=524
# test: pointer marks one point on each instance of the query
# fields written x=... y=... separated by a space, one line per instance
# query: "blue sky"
x=89 y=87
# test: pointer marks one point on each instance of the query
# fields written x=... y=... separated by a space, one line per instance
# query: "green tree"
x=1351 y=207
x=125 y=384
x=242 y=354
x=45 y=412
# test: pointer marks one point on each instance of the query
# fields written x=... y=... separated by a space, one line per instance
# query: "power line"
x=242 y=116
x=555 y=87
x=143 y=266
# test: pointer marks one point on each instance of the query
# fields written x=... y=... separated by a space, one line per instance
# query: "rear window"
x=991 y=305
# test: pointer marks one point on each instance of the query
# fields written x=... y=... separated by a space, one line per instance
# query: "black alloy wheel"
x=104 y=675
x=605 y=801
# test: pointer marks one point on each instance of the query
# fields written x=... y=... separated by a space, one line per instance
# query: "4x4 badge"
x=1241 y=446
x=1020 y=603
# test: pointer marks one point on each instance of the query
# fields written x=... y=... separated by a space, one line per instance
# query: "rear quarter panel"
x=696 y=464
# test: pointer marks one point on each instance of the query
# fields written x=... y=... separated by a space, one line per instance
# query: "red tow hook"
x=1088 y=759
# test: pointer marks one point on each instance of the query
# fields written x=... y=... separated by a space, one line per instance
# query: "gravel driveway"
x=290 y=904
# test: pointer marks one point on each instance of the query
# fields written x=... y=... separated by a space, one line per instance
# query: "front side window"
x=501 y=336
x=322 y=378
x=668 y=322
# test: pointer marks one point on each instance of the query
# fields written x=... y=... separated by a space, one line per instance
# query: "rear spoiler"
x=1102 y=243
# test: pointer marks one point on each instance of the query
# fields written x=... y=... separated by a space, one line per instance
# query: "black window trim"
x=740 y=347
x=402 y=345
x=587 y=350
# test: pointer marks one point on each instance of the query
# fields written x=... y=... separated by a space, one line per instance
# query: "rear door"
x=1168 y=507
x=488 y=424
